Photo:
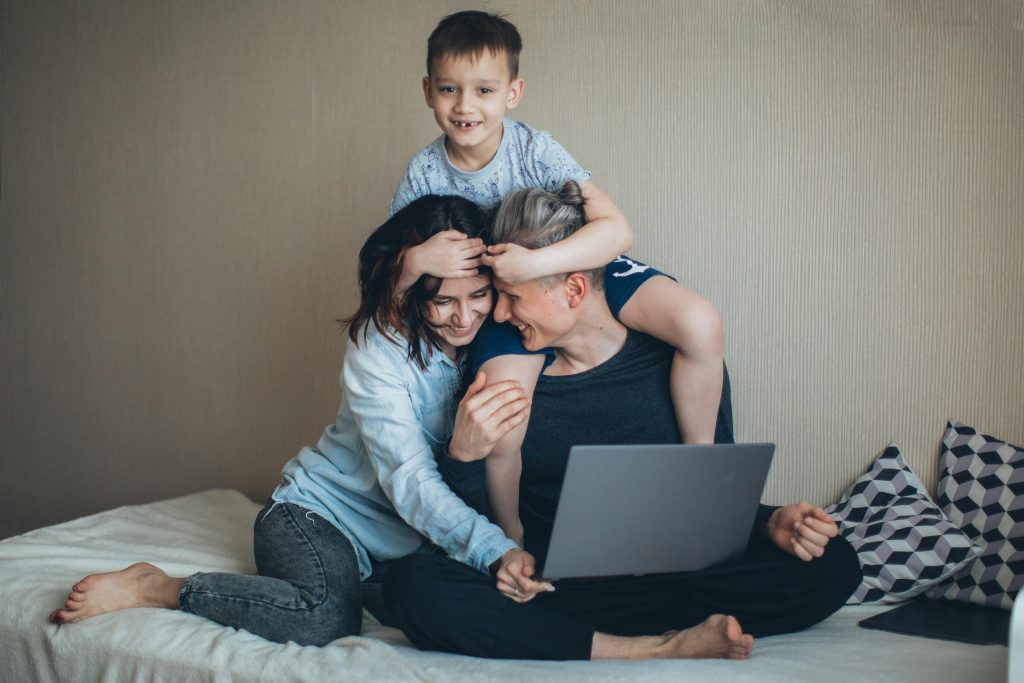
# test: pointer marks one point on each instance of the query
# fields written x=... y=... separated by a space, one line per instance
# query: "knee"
x=834 y=575
x=319 y=625
x=845 y=567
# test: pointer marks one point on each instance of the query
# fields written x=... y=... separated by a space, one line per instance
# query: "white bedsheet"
x=211 y=531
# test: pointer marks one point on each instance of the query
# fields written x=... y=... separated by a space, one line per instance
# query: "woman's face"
x=459 y=308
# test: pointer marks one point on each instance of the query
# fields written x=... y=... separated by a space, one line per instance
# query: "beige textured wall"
x=184 y=187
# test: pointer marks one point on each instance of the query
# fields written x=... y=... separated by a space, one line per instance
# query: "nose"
x=465 y=101
x=463 y=314
x=502 y=310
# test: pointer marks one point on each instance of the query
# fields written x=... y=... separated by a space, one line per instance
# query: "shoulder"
x=531 y=139
x=643 y=345
x=499 y=339
x=430 y=159
x=374 y=351
x=641 y=356
x=622 y=277
x=426 y=173
x=551 y=164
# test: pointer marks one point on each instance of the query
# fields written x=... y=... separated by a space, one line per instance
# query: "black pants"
x=441 y=604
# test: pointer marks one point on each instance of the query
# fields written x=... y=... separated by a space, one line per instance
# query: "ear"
x=428 y=95
x=577 y=289
x=515 y=93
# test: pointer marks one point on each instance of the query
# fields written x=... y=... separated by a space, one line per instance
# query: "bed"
x=211 y=531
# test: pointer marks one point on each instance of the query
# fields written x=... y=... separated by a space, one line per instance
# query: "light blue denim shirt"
x=373 y=474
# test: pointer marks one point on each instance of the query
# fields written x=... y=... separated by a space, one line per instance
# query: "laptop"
x=655 y=508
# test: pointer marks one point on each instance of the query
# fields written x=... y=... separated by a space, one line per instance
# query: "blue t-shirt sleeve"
x=622 y=277
x=500 y=339
x=553 y=164
x=405 y=193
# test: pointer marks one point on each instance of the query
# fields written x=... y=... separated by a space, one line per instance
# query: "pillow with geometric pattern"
x=903 y=541
x=981 y=488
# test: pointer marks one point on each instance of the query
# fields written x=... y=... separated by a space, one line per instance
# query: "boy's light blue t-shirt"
x=525 y=158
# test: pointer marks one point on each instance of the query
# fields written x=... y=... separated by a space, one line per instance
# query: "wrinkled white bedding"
x=212 y=531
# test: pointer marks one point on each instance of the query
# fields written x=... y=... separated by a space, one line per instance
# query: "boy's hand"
x=512 y=263
x=447 y=254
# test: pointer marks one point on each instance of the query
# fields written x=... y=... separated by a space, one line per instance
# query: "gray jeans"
x=307 y=588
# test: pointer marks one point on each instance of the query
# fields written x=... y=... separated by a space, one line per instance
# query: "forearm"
x=593 y=246
x=503 y=472
x=410 y=271
x=427 y=504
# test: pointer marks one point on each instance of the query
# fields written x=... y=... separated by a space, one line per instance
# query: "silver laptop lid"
x=655 y=508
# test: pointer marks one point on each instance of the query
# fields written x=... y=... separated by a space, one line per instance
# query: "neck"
x=473 y=159
x=594 y=339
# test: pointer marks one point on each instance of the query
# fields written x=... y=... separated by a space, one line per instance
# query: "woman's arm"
x=403 y=458
x=606 y=235
x=449 y=253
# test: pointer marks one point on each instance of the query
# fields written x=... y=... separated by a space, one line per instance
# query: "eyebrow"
x=442 y=79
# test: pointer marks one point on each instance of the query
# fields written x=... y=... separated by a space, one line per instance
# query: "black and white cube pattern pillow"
x=981 y=488
x=903 y=541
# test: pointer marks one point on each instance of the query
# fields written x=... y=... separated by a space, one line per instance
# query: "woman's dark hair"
x=380 y=265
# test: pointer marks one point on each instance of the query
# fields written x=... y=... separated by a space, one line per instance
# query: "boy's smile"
x=470 y=97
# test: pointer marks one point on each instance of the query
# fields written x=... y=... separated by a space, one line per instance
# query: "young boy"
x=472 y=82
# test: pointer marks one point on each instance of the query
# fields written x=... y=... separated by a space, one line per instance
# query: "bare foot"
x=718 y=636
x=140 y=585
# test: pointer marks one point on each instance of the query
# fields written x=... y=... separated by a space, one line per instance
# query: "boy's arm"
x=606 y=235
x=448 y=254
x=678 y=316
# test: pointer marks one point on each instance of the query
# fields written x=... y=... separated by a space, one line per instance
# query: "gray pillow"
x=981 y=488
x=904 y=542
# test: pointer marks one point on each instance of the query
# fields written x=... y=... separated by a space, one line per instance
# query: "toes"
x=60 y=617
x=74 y=605
x=733 y=631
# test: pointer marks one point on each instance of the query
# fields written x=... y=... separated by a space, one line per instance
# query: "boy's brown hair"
x=470 y=33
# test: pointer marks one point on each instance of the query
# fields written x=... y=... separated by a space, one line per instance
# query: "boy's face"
x=470 y=98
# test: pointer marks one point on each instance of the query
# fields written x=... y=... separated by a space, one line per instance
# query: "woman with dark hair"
x=370 y=491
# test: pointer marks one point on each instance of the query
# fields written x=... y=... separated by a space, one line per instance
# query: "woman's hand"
x=447 y=254
x=485 y=415
x=802 y=529
x=513 y=263
x=514 y=573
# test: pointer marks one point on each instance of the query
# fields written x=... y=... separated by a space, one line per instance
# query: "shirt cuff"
x=492 y=555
